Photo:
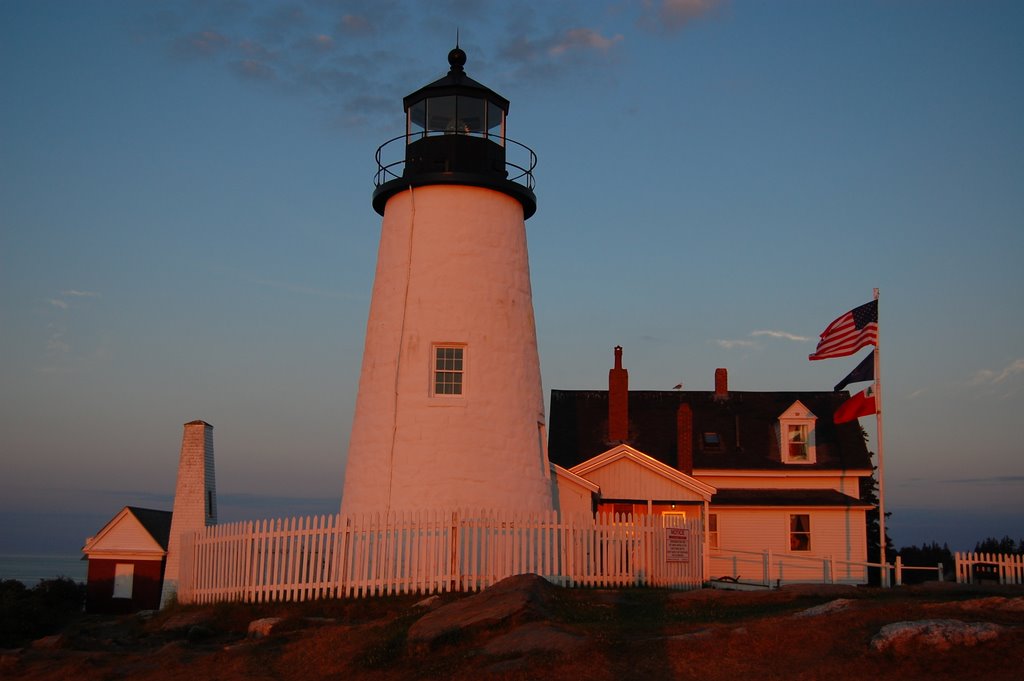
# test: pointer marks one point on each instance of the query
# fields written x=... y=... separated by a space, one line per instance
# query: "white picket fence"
x=973 y=567
x=297 y=559
x=769 y=568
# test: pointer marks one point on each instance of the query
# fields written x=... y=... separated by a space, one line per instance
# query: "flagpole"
x=881 y=460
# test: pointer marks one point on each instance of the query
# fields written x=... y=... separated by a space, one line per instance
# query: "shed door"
x=124 y=576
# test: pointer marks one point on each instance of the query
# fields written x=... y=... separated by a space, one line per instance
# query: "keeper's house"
x=126 y=561
x=767 y=471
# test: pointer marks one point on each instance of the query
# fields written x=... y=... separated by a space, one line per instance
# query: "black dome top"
x=456 y=82
x=457 y=59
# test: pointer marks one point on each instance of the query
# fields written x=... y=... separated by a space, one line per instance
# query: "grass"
x=629 y=634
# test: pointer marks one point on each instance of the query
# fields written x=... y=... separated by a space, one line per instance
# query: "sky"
x=186 y=229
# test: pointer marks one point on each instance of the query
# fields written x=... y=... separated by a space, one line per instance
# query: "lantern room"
x=455 y=134
x=456 y=104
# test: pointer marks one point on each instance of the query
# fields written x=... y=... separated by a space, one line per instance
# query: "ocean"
x=30 y=570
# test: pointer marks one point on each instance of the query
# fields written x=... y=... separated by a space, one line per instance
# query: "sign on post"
x=677 y=544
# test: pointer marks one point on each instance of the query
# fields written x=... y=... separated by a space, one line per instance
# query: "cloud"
x=63 y=304
x=995 y=377
x=581 y=39
x=356 y=24
x=282 y=20
x=1014 y=368
x=992 y=480
x=256 y=50
x=321 y=42
x=365 y=50
x=201 y=44
x=540 y=54
x=56 y=344
x=674 y=15
x=780 y=334
x=731 y=344
x=256 y=70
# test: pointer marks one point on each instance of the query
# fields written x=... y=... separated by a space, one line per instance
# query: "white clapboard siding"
x=837 y=553
x=434 y=551
x=124 y=536
x=624 y=479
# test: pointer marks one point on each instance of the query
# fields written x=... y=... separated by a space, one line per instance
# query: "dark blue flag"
x=865 y=371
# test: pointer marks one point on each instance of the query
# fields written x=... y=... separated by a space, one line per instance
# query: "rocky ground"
x=525 y=628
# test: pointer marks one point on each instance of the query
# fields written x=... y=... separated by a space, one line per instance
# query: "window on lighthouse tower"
x=449 y=369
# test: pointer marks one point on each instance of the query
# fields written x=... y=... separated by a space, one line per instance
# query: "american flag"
x=848 y=334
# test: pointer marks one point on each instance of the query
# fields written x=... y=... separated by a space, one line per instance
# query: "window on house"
x=796 y=441
x=713 y=530
x=673 y=519
x=449 y=369
x=712 y=441
x=124 y=576
x=800 y=532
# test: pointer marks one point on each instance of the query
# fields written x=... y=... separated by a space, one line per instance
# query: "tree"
x=869 y=493
x=27 y=614
x=927 y=555
x=1004 y=546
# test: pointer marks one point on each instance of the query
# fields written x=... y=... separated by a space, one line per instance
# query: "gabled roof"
x=576 y=479
x=621 y=452
x=747 y=423
x=133 y=529
x=157 y=523
x=797 y=410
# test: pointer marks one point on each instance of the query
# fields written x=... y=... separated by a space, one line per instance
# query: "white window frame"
x=793 y=534
x=678 y=515
x=124 y=580
x=712 y=530
x=436 y=371
x=798 y=438
x=797 y=416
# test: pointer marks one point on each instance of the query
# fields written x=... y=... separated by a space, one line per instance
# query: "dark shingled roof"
x=747 y=423
x=786 y=497
x=157 y=523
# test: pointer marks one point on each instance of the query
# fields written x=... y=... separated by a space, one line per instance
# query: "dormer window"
x=796 y=442
x=796 y=434
x=712 y=441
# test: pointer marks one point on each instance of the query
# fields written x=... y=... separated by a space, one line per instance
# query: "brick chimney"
x=618 y=400
x=684 y=439
x=721 y=384
x=195 y=498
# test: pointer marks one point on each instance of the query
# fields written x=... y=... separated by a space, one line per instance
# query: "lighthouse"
x=450 y=410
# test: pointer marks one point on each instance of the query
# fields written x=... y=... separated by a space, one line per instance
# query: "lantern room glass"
x=416 y=121
x=455 y=114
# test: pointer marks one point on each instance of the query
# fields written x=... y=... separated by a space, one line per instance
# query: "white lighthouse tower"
x=450 y=412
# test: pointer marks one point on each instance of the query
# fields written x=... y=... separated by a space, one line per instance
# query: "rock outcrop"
x=521 y=598
x=936 y=634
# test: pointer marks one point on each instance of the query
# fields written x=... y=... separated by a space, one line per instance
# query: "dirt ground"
x=709 y=635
